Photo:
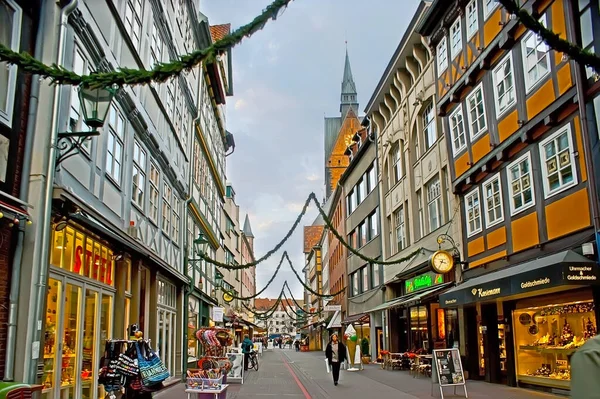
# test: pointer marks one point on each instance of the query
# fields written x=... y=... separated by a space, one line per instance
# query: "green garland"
x=245 y=298
x=306 y=287
x=269 y=253
x=312 y=197
x=552 y=39
x=127 y=76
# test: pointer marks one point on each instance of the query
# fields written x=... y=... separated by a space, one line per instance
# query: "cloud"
x=272 y=52
x=239 y=104
x=313 y=177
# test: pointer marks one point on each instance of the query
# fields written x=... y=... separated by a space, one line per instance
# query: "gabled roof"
x=217 y=32
x=247 y=230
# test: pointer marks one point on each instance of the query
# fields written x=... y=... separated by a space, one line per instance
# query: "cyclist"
x=247 y=347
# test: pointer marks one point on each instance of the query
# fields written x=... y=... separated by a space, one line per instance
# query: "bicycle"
x=253 y=361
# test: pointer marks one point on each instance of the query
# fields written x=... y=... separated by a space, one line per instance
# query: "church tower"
x=339 y=131
x=348 y=97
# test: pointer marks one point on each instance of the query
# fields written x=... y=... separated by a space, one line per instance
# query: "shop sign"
x=217 y=314
x=77 y=252
x=581 y=274
x=423 y=281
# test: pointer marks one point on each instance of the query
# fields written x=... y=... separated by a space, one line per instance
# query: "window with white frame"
x=133 y=21
x=166 y=329
x=476 y=108
x=138 y=183
x=10 y=36
x=457 y=130
x=488 y=7
x=558 y=162
x=156 y=46
x=400 y=229
x=434 y=203
x=473 y=211
x=114 y=149
x=373 y=224
x=420 y=214
x=536 y=57
x=372 y=178
x=397 y=163
x=154 y=192
x=76 y=122
x=171 y=88
x=176 y=219
x=492 y=197
x=442 y=56
x=429 y=127
x=361 y=191
x=472 y=19
x=520 y=184
x=504 y=88
x=351 y=202
x=166 y=208
x=455 y=38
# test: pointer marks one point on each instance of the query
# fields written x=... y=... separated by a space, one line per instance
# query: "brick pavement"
x=275 y=380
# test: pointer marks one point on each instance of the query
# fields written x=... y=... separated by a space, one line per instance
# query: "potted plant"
x=364 y=349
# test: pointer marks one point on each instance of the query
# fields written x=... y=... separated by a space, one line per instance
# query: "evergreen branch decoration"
x=552 y=39
x=128 y=76
x=306 y=287
x=245 y=298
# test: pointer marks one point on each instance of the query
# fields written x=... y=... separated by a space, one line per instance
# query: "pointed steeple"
x=247 y=230
x=348 y=96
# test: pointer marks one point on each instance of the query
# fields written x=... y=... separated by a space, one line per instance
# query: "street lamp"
x=95 y=104
x=218 y=279
x=200 y=244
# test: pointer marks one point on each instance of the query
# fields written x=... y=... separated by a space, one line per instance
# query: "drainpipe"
x=15 y=281
x=42 y=233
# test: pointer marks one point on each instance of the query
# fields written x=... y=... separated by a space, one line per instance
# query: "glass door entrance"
x=78 y=316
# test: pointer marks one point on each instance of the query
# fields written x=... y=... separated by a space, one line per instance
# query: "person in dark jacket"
x=247 y=347
x=335 y=354
x=585 y=366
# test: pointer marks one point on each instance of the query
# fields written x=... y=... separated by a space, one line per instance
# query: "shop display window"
x=82 y=254
x=452 y=330
x=546 y=336
x=419 y=338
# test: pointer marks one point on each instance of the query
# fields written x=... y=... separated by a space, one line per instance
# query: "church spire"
x=348 y=97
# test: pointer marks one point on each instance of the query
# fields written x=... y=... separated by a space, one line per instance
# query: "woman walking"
x=336 y=354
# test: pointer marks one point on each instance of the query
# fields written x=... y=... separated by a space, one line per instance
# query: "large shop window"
x=10 y=35
x=167 y=324
x=419 y=337
x=193 y=349
x=548 y=330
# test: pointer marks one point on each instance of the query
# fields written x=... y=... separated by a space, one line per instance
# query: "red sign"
x=94 y=266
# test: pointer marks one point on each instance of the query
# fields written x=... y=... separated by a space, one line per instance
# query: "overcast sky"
x=286 y=78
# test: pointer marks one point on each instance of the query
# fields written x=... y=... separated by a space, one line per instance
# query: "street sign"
x=333 y=308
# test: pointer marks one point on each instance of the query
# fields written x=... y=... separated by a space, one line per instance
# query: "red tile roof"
x=312 y=236
x=217 y=32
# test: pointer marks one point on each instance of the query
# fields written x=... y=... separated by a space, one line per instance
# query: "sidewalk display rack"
x=210 y=379
x=125 y=364
x=447 y=370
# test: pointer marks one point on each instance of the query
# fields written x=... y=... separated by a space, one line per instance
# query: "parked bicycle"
x=253 y=360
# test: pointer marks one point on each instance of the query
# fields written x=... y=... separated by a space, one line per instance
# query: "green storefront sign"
x=423 y=281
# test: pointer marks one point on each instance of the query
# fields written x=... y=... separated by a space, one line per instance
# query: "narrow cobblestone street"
x=289 y=374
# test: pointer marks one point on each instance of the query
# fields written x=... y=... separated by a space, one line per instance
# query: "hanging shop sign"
x=227 y=297
x=217 y=314
x=442 y=262
x=423 y=281
x=77 y=252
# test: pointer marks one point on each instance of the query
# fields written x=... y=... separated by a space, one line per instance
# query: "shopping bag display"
x=152 y=369
x=327 y=366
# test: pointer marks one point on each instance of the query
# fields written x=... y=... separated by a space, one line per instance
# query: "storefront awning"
x=411 y=298
x=563 y=268
x=335 y=321
x=361 y=317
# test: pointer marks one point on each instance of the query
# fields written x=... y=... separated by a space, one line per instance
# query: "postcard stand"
x=447 y=370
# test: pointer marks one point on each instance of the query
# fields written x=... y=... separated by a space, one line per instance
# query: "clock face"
x=348 y=140
x=442 y=262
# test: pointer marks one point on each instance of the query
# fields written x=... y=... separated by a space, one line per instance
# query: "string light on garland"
x=160 y=73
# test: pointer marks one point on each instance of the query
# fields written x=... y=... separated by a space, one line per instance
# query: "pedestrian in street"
x=247 y=346
x=585 y=366
x=335 y=354
x=297 y=345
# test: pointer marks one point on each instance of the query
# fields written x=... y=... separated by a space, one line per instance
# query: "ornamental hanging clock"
x=227 y=297
x=442 y=262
